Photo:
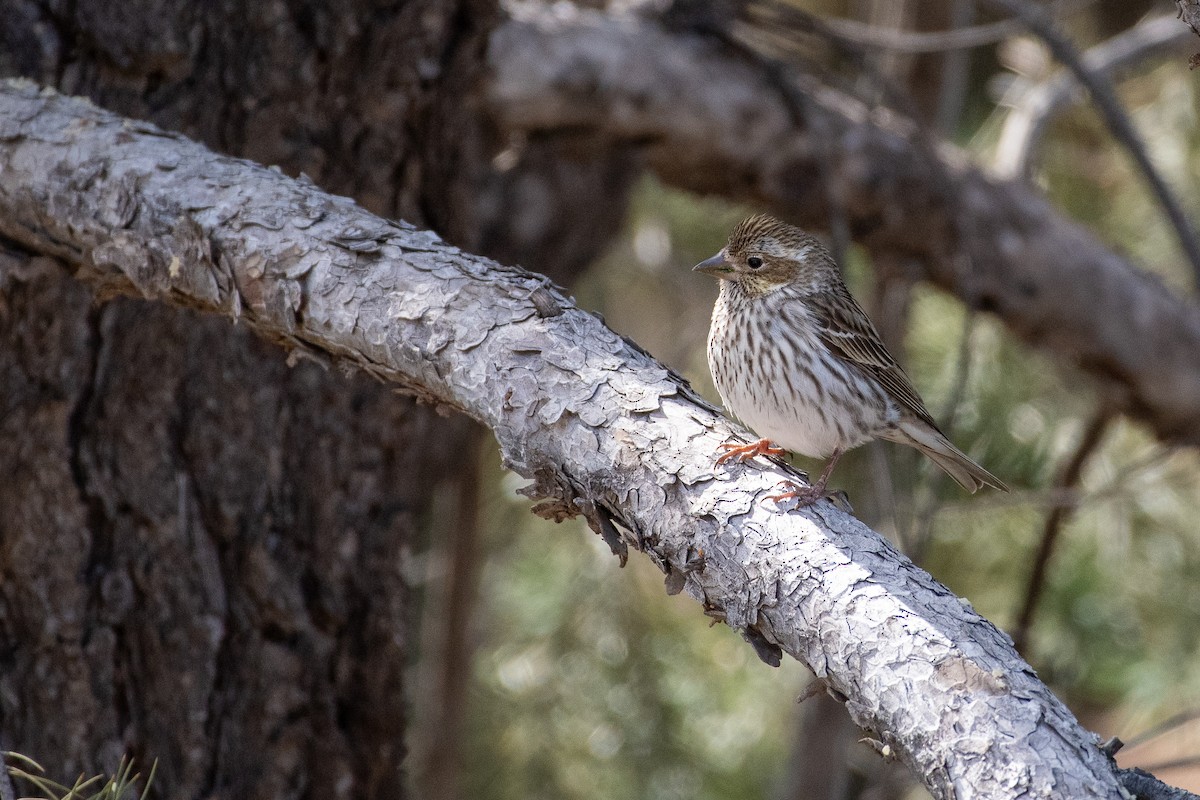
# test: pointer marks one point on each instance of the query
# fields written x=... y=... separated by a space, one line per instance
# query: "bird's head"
x=764 y=254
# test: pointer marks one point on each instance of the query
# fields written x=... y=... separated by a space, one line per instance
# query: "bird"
x=794 y=356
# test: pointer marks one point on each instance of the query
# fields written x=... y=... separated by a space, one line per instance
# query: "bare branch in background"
x=1035 y=106
x=596 y=423
x=1189 y=12
x=955 y=73
x=1114 y=116
x=962 y=38
x=1166 y=726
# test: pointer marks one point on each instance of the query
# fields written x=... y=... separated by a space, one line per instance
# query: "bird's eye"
x=754 y=262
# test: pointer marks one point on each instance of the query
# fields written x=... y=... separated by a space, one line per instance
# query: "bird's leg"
x=744 y=452
x=807 y=495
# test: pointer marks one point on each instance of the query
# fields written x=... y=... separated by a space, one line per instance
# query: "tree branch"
x=1035 y=106
x=601 y=428
x=1144 y=786
x=710 y=121
x=1114 y=116
x=1189 y=12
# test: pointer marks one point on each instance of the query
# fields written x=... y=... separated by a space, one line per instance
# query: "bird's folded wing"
x=846 y=330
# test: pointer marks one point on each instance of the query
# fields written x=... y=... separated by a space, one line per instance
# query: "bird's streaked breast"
x=774 y=373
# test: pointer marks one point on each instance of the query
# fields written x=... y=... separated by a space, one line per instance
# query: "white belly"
x=798 y=429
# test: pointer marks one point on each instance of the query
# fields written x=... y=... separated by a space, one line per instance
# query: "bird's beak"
x=716 y=266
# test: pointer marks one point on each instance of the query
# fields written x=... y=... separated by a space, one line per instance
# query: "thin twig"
x=956 y=73
x=1056 y=519
x=1114 y=115
x=772 y=30
x=459 y=596
x=1113 y=489
x=1168 y=724
x=770 y=34
x=1033 y=107
x=771 y=44
x=962 y=38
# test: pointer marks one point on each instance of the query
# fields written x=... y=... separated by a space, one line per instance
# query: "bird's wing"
x=847 y=331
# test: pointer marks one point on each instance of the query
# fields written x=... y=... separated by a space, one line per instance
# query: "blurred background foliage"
x=587 y=681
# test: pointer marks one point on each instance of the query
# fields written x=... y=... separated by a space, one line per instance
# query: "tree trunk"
x=201 y=551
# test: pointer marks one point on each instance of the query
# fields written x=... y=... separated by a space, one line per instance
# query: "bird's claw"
x=803 y=495
x=741 y=453
x=808 y=495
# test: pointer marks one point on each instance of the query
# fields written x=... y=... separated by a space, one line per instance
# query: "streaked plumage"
x=796 y=358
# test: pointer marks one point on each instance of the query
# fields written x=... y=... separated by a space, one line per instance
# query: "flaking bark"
x=1189 y=12
x=601 y=428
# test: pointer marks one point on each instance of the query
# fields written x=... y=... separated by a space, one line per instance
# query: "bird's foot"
x=804 y=496
x=741 y=453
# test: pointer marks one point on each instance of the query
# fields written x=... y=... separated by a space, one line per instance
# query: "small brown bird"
x=796 y=358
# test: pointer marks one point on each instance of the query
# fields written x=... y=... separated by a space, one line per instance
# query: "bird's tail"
x=957 y=464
